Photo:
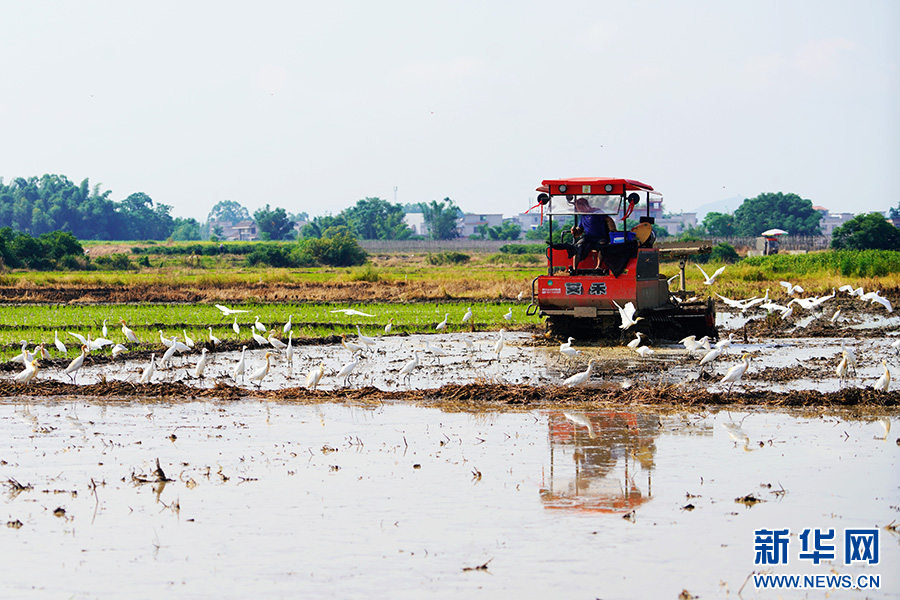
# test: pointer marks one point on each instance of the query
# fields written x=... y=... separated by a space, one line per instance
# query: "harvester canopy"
x=587 y=195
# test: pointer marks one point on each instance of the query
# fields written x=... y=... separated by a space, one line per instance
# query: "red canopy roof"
x=593 y=185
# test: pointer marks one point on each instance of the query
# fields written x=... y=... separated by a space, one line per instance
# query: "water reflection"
x=596 y=459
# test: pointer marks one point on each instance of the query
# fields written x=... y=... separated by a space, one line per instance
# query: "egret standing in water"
x=580 y=379
x=30 y=372
x=149 y=370
x=735 y=373
x=72 y=369
x=315 y=376
x=241 y=365
x=884 y=382
x=259 y=374
x=201 y=364
x=408 y=368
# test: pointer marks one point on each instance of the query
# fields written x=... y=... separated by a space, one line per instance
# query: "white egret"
x=364 y=339
x=568 y=350
x=241 y=365
x=289 y=353
x=520 y=296
x=59 y=345
x=315 y=376
x=276 y=343
x=627 y=315
x=691 y=343
x=501 y=341
x=790 y=288
x=259 y=326
x=467 y=316
x=187 y=340
x=213 y=339
x=259 y=339
x=709 y=280
x=103 y=330
x=353 y=348
x=389 y=326
x=435 y=350
x=167 y=355
x=259 y=374
x=24 y=356
x=842 y=368
x=347 y=370
x=408 y=368
x=851 y=356
x=30 y=372
x=149 y=370
x=735 y=373
x=508 y=315
x=201 y=364
x=167 y=342
x=725 y=344
x=875 y=297
x=835 y=316
x=128 y=333
x=644 y=351
x=443 y=324
x=636 y=341
x=41 y=352
x=786 y=313
x=98 y=343
x=227 y=312
x=72 y=369
x=352 y=312
x=118 y=349
x=236 y=327
x=287 y=326
x=896 y=345
x=710 y=356
x=580 y=379
x=80 y=338
x=884 y=382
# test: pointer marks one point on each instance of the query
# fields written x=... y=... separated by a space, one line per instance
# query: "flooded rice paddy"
x=272 y=499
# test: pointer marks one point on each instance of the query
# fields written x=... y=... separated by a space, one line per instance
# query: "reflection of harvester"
x=621 y=266
x=594 y=458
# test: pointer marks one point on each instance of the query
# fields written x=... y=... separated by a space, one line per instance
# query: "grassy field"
x=411 y=290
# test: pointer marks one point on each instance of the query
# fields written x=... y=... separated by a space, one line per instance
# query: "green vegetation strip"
x=37 y=323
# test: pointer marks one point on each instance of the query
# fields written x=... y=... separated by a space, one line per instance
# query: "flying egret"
x=188 y=341
x=580 y=379
x=710 y=280
x=352 y=312
x=408 y=368
x=691 y=343
x=287 y=326
x=315 y=376
x=149 y=370
x=389 y=326
x=790 y=288
x=128 y=333
x=508 y=315
x=735 y=373
x=118 y=349
x=633 y=344
x=227 y=312
x=842 y=368
x=627 y=315
x=30 y=372
x=875 y=297
x=236 y=327
x=347 y=370
x=80 y=338
x=201 y=364
x=241 y=365
x=213 y=339
x=59 y=345
x=884 y=382
x=276 y=343
x=72 y=369
x=467 y=316
x=259 y=374
x=443 y=324
x=259 y=326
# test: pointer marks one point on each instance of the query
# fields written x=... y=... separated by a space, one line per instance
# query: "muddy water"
x=280 y=500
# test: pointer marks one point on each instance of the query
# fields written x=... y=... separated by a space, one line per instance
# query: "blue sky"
x=312 y=106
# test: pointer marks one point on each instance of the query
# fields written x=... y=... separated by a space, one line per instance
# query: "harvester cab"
x=600 y=264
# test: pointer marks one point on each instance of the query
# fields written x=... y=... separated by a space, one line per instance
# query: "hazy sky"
x=312 y=106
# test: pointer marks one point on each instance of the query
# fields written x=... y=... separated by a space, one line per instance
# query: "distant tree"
x=335 y=247
x=866 y=232
x=217 y=231
x=440 y=219
x=377 y=219
x=273 y=224
x=508 y=230
x=186 y=229
x=139 y=219
x=228 y=210
x=316 y=227
x=718 y=224
x=783 y=211
x=894 y=213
